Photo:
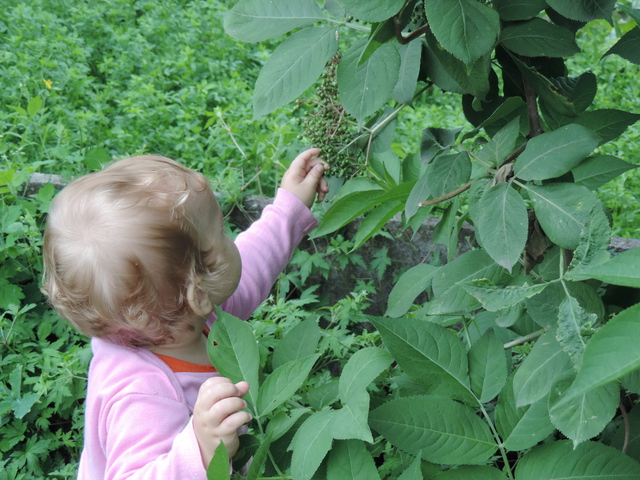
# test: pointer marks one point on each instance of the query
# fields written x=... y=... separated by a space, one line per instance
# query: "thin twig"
x=446 y=196
x=525 y=339
x=627 y=427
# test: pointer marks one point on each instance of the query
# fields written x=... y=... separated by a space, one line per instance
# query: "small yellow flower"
x=48 y=83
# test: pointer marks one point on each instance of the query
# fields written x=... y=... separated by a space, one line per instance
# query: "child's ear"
x=198 y=299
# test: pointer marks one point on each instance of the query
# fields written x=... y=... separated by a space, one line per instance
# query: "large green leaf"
x=432 y=355
x=623 y=269
x=375 y=220
x=521 y=427
x=258 y=20
x=445 y=173
x=586 y=415
x=351 y=421
x=554 y=153
x=597 y=170
x=282 y=383
x=351 y=459
x=301 y=341
x=413 y=472
x=409 y=70
x=511 y=10
x=345 y=209
x=293 y=67
x=500 y=146
x=487 y=366
x=588 y=461
x=562 y=209
x=410 y=284
x=443 y=430
x=233 y=349
x=594 y=242
x=628 y=47
x=583 y=10
x=366 y=87
x=495 y=298
x=372 y=10
x=311 y=444
x=468 y=472
x=607 y=123
x=572 y=321
x=503 y=223
x=611 y=353
x=465 y=28
x=539 y=38
x=218 y=468
x=362 y=369
x=541 y=368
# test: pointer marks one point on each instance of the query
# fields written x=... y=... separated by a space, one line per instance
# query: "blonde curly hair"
x=121 y=247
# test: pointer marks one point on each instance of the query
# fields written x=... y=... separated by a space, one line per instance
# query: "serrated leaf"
x=511 y=10
x=419 y=193
x=628 y=47
x=375 y=220
x=351 y=459
x=218 y=468
x=372 y=10
x=360 y=370
x=584 y=11
x=293 y=67
x=611 y=353
x=607 y=123
x=258 y=20
x=442 y=430
x=465 y=28
x=429 y=353
x=494 y=298
x=580 y=90
x=301 y=341
x=351 y=421
x=572 y=320
x=541 y=368
x=413 y=472
x=408 y=73
x=410 y=284
x=233 y=350
x=521 y=427
x=586 y=415
x=588 y=461
x=281 y=423
x=539 y=38
x=282 y=383
x=500 y=146
x=487 y=366
x=466 y=472
x=345 y=209
x=503 y=224
x=311 y=444
x=623 y=269
x=598 y=170
x=555 y=153
x=563 y=210
x=445 y=173
x=365 y=88
x=259 y=459
x=594 y=242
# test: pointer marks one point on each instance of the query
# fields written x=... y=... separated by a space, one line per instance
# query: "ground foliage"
x=523 y=362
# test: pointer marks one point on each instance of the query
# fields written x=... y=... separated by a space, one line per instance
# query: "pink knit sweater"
x=138 y=411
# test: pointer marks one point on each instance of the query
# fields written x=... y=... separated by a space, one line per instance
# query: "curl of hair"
x=121 y=247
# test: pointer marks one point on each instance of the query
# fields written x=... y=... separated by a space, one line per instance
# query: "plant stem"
x=503 y=452
x=627 y=427
x=446 y=196
x=525 y=339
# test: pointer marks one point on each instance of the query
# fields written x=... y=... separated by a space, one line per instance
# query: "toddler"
x=136 y=257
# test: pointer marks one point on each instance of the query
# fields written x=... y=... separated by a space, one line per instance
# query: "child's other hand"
x=305 y=177
x=217 y=416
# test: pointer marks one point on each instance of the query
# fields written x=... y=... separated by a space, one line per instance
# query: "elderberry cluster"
x=328 y=127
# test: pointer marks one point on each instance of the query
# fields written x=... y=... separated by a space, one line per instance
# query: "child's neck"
x=190 y=347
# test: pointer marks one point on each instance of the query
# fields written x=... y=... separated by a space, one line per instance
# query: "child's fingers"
x=226 y=408
x=300 y=162
x=233 y=422
x=215 y=389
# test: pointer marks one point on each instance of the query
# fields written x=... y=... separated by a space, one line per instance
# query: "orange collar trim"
x=181 y=366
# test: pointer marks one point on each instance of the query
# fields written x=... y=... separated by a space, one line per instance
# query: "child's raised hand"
x=217 y=416
x=305 y=177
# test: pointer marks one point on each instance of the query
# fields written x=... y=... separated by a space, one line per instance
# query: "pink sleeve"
x=150 y=437
x=265 y=248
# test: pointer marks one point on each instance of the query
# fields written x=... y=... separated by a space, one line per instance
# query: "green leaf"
x=586 y=415
x=282 y=383
x=365 y=88
x=541 y=368
x=218 y=468
x=301 y=341
x=410 y=284
x=521 y=427
x=443 y=430
x=377 y=219
x=553 y=154
x=233 y=350
x=465 y=28
x=258 y=20
x=539 y=38
x=579 y=90
x=281 y=423
x=500 y=146
x=511 y=10
x=450 y=295
x=249 y=445
x=445 y=173
x=583 y=10
x=372 y=10
x=607 y=123
x=572 y=320
x=466 y=472
x=419 y=193
x=413 y=472
x=588 y=461
x=10 y=295
x=362 y=369
x=310 y=444
x=432 y=355
x=35 y=105
x=494 y=298
x=487 y=366
x=628 y=47
x=345 y=209
x=598 y=170
x=594 y=243
x=503 y=223
x=623 y=269
x=409 y=69
x=323 y=395
x=351 y=459
x=611 y=353
x=563 y=210
x=293 y=67
x=351 y=421
x=259 y=459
